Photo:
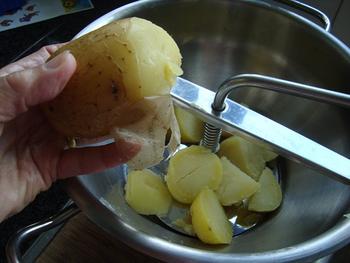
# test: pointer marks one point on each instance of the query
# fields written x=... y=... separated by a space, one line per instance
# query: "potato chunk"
x=209 y=219
x=146 y=193
x=248 y=157
x=191 y=170
x=191 y=127
x=268 y=155
x=117 y=65
x=269 y=195
x=235 y=185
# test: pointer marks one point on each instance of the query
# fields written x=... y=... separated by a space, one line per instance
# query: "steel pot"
x=219 y=39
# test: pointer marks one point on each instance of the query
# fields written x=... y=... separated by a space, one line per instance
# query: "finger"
x=23 y=89
x=93 y=159
x=36 y=59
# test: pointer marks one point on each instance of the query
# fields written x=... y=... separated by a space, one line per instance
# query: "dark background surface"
x=18 y=42
x=22 y=41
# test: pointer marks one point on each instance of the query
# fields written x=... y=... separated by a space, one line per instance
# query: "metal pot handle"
x=322 y=17
x=13 y=247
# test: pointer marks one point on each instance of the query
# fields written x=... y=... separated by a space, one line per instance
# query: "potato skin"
x=110 y=79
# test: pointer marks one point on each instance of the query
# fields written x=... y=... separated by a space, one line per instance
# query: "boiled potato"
x=209 y=219
x=269 y=195
x=191 y=170
x=248 y=157
x=117 y=65
x=191 y=127
x=235 y=185
x=146 y=193
x=268 y=155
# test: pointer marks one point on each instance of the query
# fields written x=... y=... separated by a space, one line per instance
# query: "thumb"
x=23 y=89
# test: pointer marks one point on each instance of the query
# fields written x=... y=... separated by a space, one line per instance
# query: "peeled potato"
x=191 y=128
x=248 y=157
x=191 y=170
x=269 y=195
x=146 y=193
x=268 y=155
x=117 y=65
x=209 y=219
x=235 y=185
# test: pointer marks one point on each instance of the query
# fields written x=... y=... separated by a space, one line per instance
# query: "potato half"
x=235 y=185
x=191 y=127
x=209 y=220
x=247 y=156
x=146 y=193
x=191 y=170
x=269 y=196
x=117 y=65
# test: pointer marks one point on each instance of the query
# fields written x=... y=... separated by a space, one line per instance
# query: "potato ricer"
x=221 y=113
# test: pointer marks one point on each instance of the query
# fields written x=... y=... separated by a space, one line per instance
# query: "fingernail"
x=57 y=61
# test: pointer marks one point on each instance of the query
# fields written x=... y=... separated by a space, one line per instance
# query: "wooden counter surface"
x=82 y=241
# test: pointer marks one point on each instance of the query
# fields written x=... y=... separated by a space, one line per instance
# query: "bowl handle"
x=322 y=17
x=13 y=247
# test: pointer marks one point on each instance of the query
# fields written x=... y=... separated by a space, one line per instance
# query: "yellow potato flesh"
x=248 y=157
x=191 y=128
x=146 y=193
x=268 y=155
x=191 y=170
x=158 y=59
x=117 y=65
x=269 y=195
x=235 y=185
x=209 y=219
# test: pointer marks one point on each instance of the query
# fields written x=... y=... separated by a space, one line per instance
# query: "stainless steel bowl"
x=219 y=39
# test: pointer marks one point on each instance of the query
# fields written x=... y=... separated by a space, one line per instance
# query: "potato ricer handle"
x=277 y=85
x=226 y=114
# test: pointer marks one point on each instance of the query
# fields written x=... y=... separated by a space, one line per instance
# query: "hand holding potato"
x=117 y=65
x=32 y=154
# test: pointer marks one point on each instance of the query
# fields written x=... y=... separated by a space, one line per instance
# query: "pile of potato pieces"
x=208 y=182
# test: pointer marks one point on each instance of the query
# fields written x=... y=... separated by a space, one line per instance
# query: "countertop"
x=75 y=241
x=19 y=42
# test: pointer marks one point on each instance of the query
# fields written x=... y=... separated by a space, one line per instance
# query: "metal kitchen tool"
x=222 y=113
x=272 y=135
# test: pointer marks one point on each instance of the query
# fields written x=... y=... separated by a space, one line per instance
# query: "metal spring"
x=211 y=137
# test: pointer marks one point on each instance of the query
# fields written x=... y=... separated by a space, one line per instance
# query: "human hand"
x=32 y=154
